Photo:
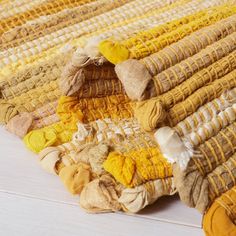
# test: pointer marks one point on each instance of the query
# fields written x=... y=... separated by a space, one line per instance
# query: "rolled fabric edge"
x=100 y=195
x=72 y=84
x=7 y=111
x=48 y=159
x=135 y=199
x=150 y=114
x=193 y=188
x=135 y=78
x=20 y=124
x=113 y=51
x=75 y=177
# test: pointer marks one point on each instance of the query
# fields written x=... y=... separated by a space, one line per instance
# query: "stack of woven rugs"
x=126 y=100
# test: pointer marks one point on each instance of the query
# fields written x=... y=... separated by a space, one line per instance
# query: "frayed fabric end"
x=172 y=147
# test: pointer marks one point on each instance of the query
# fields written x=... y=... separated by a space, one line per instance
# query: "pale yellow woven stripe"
x=10 y=91
x=207 y=130
x=47 y=24
x=10 y=4
x=122 y=30
x=42 y=9
x=118 y=16
x=21 y=86
x=17 y=72
x=206 y=112
x=37 y=97
x=9 y=9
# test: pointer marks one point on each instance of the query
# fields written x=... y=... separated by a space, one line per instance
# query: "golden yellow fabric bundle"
x=219 y=220
x=136 y=167
x=75 y=177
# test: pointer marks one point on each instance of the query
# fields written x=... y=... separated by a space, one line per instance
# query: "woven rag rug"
x=126 y=101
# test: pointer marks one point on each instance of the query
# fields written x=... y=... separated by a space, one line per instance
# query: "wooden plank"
x=171 y=209
x=27 y=216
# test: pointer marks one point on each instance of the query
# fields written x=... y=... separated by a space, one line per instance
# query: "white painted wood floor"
x=35 y=203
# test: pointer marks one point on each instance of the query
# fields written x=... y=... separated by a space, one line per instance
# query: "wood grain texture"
x=31 y=200
x=24 y=216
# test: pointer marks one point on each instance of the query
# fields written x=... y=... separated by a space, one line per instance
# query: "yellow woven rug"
x=126 y=101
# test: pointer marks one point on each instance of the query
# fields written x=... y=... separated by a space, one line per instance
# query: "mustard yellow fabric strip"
x=71 y=110
x=198 y=80
x=176 y=52
x=142 y=46
x=206 y=94
x=45 y=25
